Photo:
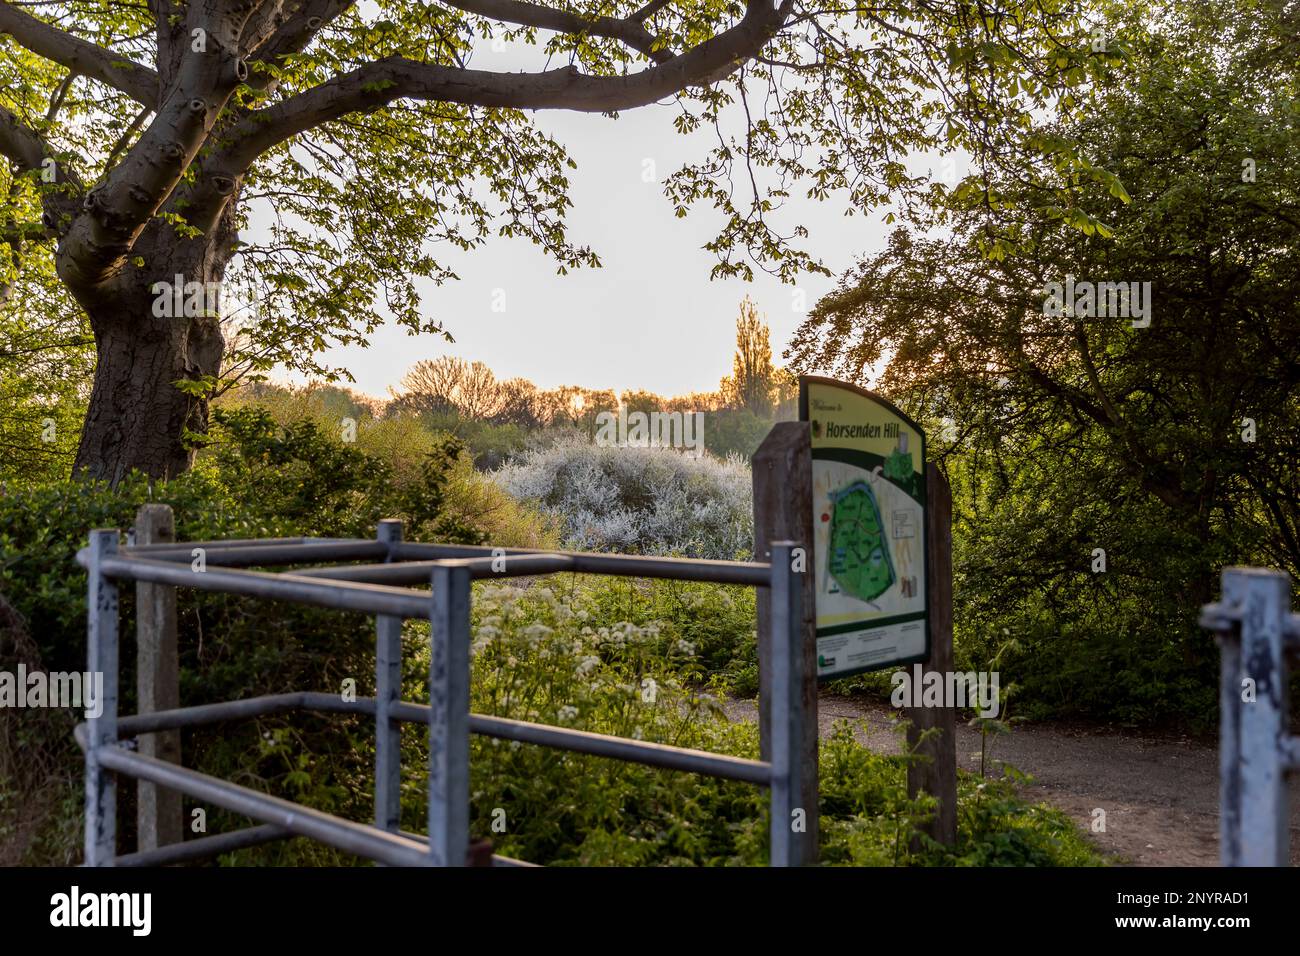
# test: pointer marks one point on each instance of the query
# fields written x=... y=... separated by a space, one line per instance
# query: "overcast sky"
x=650 y=318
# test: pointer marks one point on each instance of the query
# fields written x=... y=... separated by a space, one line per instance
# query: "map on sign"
x=858 y=552
x=868 y=503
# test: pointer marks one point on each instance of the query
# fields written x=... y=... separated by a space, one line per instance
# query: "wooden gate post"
x=937 y=775
x=782 y=469
x=159 y=815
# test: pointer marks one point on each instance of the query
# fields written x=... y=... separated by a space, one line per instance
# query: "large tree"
x=308 y=153
x=1188 y=417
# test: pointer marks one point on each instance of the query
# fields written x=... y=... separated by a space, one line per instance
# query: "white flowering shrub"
x=588 y=666
x=638 y=500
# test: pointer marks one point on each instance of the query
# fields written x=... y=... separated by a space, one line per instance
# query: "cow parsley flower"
x=535 y=632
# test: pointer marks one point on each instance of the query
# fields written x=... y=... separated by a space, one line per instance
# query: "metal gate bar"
x=1256 y=630
x=724 y=766
x=295 y=551
x=447 y=607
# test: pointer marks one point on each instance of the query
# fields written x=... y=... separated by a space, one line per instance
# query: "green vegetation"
x=1169 y=446
x=1104 y=468
x=542 y=654
x=644 y=659
x=255 y=481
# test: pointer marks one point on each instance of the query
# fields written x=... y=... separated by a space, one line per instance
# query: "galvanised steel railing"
x=384 y=590
x=1256 y=631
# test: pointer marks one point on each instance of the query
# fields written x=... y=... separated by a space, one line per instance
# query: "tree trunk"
x=155 y=325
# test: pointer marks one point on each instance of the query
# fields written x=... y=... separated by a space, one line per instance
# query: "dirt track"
x=1160 y=794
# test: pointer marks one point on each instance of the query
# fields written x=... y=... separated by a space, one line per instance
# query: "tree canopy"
x=1165 y=442
x=142 y=138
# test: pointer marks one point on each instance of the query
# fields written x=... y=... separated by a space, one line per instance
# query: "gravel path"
x=1160 y=794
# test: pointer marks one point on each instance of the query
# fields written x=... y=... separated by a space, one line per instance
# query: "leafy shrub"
x=638 y=500
x=867 y=819
x=490 y=444
x=1123 y=645
x=734 y=431
x=541 y=655
x=717 y=621
x=255 y=480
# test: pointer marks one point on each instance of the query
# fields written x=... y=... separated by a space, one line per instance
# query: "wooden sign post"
x=936 y=772
x=782 y=470
x=159 y=816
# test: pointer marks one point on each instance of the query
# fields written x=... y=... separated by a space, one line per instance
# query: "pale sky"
x=650 y=318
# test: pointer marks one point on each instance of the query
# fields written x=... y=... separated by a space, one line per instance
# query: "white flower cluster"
x=622 y=634
x=548 y=664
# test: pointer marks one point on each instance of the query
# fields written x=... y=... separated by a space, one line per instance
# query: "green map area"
x=858 y=554
x=898 y=468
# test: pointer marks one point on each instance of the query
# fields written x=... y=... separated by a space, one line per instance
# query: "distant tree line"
x=500 y=417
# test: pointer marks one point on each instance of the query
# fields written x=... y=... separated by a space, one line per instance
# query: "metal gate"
x=1256 y=630
x=384 y=589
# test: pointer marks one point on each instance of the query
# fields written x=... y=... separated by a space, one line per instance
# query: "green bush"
x=717 y=622
x=255 y=480
x=734 y=431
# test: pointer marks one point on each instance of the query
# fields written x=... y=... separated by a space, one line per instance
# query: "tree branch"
x=29 y=151
x=265 y=22
x=56 y=102
x=125 y=138
x=292 y=32
x=134 y=79
x=1156 y=475
x=377 y=84
x=20 y=142
x=116 y=211
x=649 y=10
x=629 y=31
x=93 y=250
x=22 y=232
